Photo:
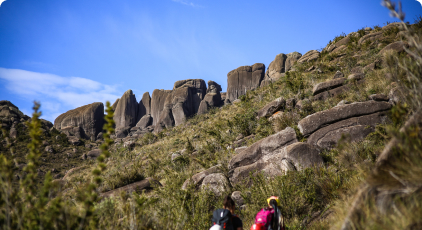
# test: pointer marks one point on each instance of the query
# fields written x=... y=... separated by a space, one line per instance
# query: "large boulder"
x=355 y=129
x=243 y=79
x=145 y=121
x=312 y=123
x=276 y=67
x=309 y=56
x=144 y=106
x=293 y=157
x=138 y=187
x=397 y=47
x=126 y=113
x=262 y=148
x=292 y=58
x=211 y=100
x=370 y=37
x=324 y=86
x=88 y=118
x=216 y=183
x=198 y=178
x=9 y=114
x=272 y=107
x=157 y=103
x=213 y=87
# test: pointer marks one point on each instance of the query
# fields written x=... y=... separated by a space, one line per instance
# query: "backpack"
x=222 y=217
x=264 y=217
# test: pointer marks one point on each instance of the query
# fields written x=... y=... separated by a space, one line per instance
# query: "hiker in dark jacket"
x=231 y=206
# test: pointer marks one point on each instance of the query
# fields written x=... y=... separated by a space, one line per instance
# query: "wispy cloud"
x=57 y=94
x=188 y=3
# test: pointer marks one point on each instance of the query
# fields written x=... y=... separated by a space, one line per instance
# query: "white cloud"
x=57 y=94
x=187 y=3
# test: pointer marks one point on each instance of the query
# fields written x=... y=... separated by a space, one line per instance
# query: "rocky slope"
x=276 y=132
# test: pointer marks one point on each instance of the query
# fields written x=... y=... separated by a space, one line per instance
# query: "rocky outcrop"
x=370 y=37
x=292 y=58
x=216 y=183
x=355 y=129
x=271 y=108
x=126 y=112
x=243 y=79
x=276 y=67
x=115 y=104
x=324 y=86
x=88 y=120
x=287 y=157
x=312 y=123
x=10 y=115
x=397 y=47
x=212 y=98
x=144 y=122
x=157 y=103
x=273 y=156
x=138 y=187
x=198 y=178
x=144 y=106
x=309 y=56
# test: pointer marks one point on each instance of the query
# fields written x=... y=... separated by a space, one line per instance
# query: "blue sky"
x=71 y=53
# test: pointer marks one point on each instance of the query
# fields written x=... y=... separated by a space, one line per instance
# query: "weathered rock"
x=74 y=140
x=123 y=132
x=343 y=102
x=100 y=136
x=271 y=108
x=333 y=92
x=216 y=182
x=138 y=187
x=343 y=41
x=276 y=67
x=355 y=77
x=370 y=37
x=292 y=58
x=391 y=25
x=213 y=87
x=197 y=179
x=145 y=121
x=244 y=78
x=90 y=119
x=166 y=119
x=397 y=95
x=115 y=104
x=242 y=141
x=261 y=148
x=144 y=107
x=338 y=75
x=126 y=112
x=13 y=133
x=397 y=47
x=275 y=116
x=290 y=103
x=157 y=103
x=355 y=128
x=331 y=84
x=357 y=70
x=379 y=97
x=240 y=149
x=309 y=56
x=93 y=154
x=237 y=198
x=318 y=120
x=49 y=149
x=304 y=104
x=210 y=100
x=296 y=156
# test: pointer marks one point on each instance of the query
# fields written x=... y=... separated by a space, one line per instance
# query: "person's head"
x=229 y=204
x=273 y=202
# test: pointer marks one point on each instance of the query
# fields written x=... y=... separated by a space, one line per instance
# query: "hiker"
x=225 y=218
x=269 y=218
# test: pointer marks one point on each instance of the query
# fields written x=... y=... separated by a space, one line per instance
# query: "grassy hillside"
x=315 y=198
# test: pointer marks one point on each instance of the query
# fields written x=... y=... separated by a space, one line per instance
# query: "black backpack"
x=222 y=217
